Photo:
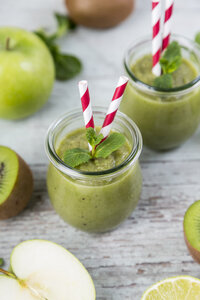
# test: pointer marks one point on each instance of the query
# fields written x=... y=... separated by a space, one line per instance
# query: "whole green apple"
x=26 y=73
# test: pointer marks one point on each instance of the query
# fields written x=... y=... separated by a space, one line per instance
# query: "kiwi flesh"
x=16 y=183
x=99 y=14
x=191 y=226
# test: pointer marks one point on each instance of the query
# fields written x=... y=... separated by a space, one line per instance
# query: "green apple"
x=26 y=73
x=46 y=271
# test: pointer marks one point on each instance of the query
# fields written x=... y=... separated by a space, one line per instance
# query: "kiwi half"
x=16 y=183
x=192 y=230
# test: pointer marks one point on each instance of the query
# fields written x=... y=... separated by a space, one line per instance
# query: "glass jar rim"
x=155 y=90
x=75 y=173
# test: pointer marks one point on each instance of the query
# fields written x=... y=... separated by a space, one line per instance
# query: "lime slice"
x=174 y=288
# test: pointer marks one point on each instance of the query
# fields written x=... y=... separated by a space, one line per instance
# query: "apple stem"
x=8 y=273
x=8 y=44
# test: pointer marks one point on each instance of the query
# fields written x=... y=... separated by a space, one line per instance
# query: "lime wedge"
x=174 y=288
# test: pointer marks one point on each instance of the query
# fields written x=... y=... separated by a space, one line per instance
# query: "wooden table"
x=149 y=246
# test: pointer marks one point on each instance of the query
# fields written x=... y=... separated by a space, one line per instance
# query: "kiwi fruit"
x=191 y=226
x=16 y=183
x=99 y=14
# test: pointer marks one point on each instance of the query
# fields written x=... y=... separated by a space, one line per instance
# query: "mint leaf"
x=75 y=157
x=164 y=81
x=171 y=59
x=92 y=137
x=111 y=144
x=67 y=66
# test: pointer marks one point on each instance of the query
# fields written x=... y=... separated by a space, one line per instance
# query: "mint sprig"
x=66 y=66
x=169 y=62
x=100 y=148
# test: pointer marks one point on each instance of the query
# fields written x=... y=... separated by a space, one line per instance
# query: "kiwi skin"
x=194 y=253
x=99 y=13
x=20 y=194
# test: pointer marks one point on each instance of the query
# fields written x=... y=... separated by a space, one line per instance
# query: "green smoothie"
x=77 y=139
x=96 y=203
x=142 y=69
x=165 y=119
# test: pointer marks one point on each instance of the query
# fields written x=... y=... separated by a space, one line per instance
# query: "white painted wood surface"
x=149 y=246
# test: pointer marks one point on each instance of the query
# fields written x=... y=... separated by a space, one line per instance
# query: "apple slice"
x=46 y=271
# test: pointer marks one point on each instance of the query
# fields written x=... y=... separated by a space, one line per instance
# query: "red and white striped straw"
x=156 y=37
x=86 y=105
x=167 y=23
x=114 y=105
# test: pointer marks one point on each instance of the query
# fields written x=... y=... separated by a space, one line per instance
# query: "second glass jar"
x=166 y=118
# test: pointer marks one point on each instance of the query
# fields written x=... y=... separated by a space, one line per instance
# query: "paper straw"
x=114 y=105
x=156 y=37
x=86 y=105
x=167 y=23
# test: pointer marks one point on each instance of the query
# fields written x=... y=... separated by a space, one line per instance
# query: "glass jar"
x=93 y=201
x=166 y=118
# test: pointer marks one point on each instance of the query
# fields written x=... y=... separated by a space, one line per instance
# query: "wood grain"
x=148 y=246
